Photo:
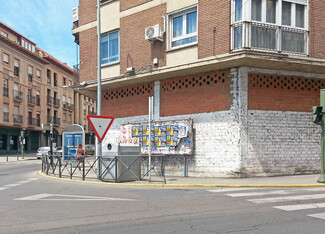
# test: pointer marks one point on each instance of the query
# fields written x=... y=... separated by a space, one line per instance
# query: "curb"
x=187 y=185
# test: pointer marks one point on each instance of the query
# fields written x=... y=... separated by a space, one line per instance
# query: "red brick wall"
x=205 y=92
x=283 y=93
x=134 y=50
x=128 y=101
x=213 y=27
x=87 y=11
x=88 y=54
x=127 y=4
x=317 y=29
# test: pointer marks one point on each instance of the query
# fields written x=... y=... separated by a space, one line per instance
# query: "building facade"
x=245 y=72
x=36 y=93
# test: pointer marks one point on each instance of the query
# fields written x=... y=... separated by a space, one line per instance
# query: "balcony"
x=92 y=113
x=31 y=100
x=68 y=106
x=33 y=121
x=16 y=71
x=5 y=92
x=18 y=119
x=54 y=101
x=269 y=37
x=56 y=121
x=30 y=77
x=18 y=96
x=6 y=116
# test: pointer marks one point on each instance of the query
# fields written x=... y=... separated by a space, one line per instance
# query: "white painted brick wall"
x=282 y=143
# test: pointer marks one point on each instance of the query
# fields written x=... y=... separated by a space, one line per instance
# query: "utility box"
x=126 y=166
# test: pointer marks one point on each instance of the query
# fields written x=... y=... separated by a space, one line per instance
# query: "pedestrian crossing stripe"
x=287 y=198
x=300 y=206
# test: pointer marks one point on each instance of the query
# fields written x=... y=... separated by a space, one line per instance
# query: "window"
x=4 y=34
x=184 y=28
x=16 y=67
x=38 y=73
x=5 y=88
x=6 y=58
x=6 y=112
x=264 y=11
x=238 y=10
x=48 y=72
x=3 y=142
x=30 y=73
x=64 y=81
x=110 y=48
x=274 y=25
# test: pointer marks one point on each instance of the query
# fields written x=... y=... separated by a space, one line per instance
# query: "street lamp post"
x=51 y=130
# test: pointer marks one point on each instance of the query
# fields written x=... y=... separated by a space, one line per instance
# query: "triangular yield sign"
x=100 y=125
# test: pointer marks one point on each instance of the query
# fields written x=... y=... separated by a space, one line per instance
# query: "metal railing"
x=111 y=169
x=18 y=95
x=6 y=116
x=31 y=99
x=18 y=119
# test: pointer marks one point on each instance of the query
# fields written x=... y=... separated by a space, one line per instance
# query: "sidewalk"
x=16 y=157
x=277 y=181
x=309 y=180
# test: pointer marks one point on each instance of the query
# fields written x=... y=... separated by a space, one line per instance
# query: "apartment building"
x=246 y=72
x=36 y=93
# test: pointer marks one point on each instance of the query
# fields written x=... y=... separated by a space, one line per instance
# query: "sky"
x=48 y=23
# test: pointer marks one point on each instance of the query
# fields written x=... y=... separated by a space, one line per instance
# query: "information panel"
x=169 y=138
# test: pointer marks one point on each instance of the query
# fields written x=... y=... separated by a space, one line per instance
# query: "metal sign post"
x=150 y=120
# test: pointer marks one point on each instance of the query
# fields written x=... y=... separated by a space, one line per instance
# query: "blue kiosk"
x=72 y=136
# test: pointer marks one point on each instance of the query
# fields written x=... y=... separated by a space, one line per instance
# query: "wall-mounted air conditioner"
x=153 y=33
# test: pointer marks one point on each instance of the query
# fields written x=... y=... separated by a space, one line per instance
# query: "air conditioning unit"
x=153 y=33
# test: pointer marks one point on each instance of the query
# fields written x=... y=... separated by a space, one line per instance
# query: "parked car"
x=90 y=149
x=45 y=150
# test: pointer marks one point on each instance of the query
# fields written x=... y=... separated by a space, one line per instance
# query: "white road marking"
x=47 y=197
x=2 y=188
x=300 y=206
x=258 y=193
x=31 y=179
x=221 y=190
x=23 y=182
x=287 y=198
x=319 y=215
x=11 y=185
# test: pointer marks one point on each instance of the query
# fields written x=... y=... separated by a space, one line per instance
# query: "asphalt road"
x=31 y=203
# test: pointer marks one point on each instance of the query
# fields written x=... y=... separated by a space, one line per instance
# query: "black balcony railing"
x=16 y=71
x=56 y=121
x=6 y=116
x=31 y=99
x=54 y=101
x=18 y=119
x=68 y=106
x=38 y=122
x=30 y=77
x=91 y=113
x=18 y=95
x=5 y=92
x=31 y=121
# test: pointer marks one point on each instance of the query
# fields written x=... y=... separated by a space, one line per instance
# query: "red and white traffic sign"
x=100 y=125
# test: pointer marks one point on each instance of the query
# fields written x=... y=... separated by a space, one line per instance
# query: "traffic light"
x=317 y=114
